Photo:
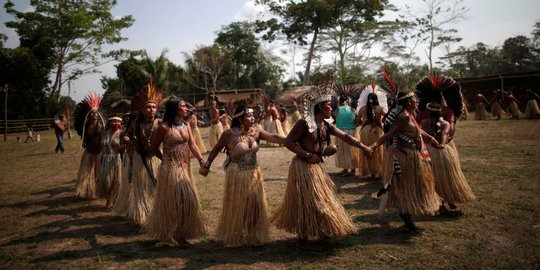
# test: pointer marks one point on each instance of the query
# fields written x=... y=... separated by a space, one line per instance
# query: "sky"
x=182 y=26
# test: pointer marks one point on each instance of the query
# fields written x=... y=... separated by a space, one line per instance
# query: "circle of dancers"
x=141 y=164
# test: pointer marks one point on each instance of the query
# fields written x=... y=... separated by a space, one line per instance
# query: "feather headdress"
x=149 y=94
x=436 y=87
x=90 y=103
x=314 y=96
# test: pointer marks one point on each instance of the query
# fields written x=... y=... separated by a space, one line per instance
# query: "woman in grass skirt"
x=412 y=184
x=480 y=107
x=110 y=169
x=89 y=125
x=244 y=215
x=176 y=214
x=310 y=206
x=196 y=132
x=450 y=182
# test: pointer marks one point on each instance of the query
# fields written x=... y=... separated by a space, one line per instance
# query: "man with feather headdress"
x=144 y=163
x=89 y=124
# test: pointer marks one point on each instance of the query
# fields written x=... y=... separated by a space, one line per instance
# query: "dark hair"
x=342 y=99
x=434 y=117
x=171 y=109
x=369 y=110
x=238 y=120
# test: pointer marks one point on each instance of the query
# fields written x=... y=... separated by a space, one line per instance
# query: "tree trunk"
x=310 y=56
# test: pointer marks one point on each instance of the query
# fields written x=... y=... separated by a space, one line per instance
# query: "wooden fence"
x=19 y=126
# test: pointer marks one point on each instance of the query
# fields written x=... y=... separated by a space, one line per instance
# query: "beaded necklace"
x=246 y=135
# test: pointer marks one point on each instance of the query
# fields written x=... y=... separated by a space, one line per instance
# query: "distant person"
x=532 y=111
x=496 y=104
x=480 y=109
x=216 y=128
x=283 y=118
x=29 y=134
x=345 y=158
x=59 y=128
x=513 y=107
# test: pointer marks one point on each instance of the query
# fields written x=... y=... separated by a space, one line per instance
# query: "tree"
x=76 y=30
x=518 y=52
x=211 y=61
x=299 y=20
x=431 y=20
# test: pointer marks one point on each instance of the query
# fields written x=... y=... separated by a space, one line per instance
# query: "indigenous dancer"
x=272 y=123
x=296 y=114
x=310 y=207
x=496 y=104
x=121 y=204
x=89 y=125
x=244 y=216
x=532 y=111
x=513 y=108
x=450 y=182
x=371 y=114
x=283 y=118
x=480 y=111
x=196 y=132
x=346 y=158
x=110 y=165
x=216 y=128
x=144 y=164
x=412 y=185
x=176 y=215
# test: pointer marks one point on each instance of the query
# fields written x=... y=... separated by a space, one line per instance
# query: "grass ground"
x=44 y=226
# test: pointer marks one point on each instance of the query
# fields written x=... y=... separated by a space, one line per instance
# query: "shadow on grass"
x=209 y=253
x=60 y=230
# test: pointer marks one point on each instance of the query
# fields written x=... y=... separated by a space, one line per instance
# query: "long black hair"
x=238 y=120
x=171 y=109
x=372 y=101
x=399 y=106
x=434 y=117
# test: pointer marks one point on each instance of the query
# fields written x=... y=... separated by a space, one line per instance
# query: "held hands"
x=314 y=159
x=204 y=171
x=435 y=143
x=368 y=151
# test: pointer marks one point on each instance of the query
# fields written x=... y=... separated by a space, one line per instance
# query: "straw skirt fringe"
x=480 y=112
x=513 y=109
x=310 y=207
x=371 y=166
x=198 y=140
x=124 y=189
x=286 y=127
x=86 y=177
x=274 y=127
x=532 y=109
x=244 y=216
x=496 y=109
x=387 y=167
x=296 y=116
x=110 y=172
x=414 y=192
x=346 y=157
x=176 y=213
x=215 y=133
x=142 y=190
x=450 y=182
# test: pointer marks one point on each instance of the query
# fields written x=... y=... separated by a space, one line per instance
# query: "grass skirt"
x=496 y=109
x=286 y=127
x=215 y=133
x=371 y=166
x=296 y=116
x=450 y=182
x=480 y=112
x=310 y=207
x=387 y=169
x=244 y=216
x=346 y=157
x=110 y=173
x=86 y=177
x=176 y=213
x=532 y=110
x=464 y=113
x=142 y=190
x=414 y=192
x=198 y=140
x=513 y=109
x=274 y=127
x=121 y=203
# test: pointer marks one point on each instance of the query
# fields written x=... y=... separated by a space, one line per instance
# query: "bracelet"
x=207 y=164
x=308 y=155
